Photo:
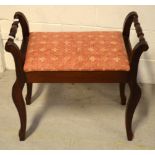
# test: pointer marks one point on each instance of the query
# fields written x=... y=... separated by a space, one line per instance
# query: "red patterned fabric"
x=76 y=51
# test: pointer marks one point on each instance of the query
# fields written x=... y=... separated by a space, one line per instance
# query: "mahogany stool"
x=76 y=57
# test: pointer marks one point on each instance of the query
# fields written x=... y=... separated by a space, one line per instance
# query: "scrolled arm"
x=132 y=18
x=10 y=46
x=135 y=53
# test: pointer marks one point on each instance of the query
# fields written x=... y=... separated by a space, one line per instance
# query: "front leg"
x=135 y=95
x=20 y=105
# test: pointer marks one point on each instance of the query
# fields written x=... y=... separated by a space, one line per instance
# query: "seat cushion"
x=76 y=51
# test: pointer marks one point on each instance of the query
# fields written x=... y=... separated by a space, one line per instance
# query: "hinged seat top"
x=76 y=51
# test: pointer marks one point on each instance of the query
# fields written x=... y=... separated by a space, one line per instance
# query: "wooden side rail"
x=134 y=57
x=19 y=59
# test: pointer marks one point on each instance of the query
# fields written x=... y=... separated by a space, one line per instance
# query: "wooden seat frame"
x=121 y=77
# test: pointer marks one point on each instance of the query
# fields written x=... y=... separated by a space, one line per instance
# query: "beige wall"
x=85 y=18
x=2 y=64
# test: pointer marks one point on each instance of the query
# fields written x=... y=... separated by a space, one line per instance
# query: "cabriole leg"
x=20 y=105
x=135 y=95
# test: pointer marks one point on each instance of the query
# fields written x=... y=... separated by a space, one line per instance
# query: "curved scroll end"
x=127 y=23
x=24 y=23
x=142 y=45
x=10 y=45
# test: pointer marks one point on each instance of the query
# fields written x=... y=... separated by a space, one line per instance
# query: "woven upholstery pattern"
x=76 y=51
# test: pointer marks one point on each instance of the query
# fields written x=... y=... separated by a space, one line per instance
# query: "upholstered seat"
x=76 y=51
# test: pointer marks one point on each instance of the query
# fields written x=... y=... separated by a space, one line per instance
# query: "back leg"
x=29 y=93
x=122 y=93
